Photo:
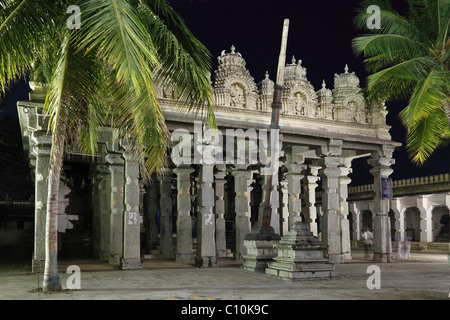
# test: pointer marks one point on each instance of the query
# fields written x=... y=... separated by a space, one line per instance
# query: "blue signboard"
x=386 y=188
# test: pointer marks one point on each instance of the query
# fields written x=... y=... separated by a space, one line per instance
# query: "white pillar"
x=356 y=215
x=426 y=227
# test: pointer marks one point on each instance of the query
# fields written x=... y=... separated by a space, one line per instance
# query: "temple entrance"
x=441 y=224
x=412 y=224
x=366 y=219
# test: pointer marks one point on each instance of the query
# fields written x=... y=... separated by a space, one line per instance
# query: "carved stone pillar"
x=166 y=235
x=42 y=154
x=344 y=180
x=330 y=227
x=310 y=211
x=381 y=223
x=185 y=251
x=219 y=207
x=356 y=212
x=115 y=164
x=242 y=182
x=284 y=206
x=295 y=166
x=206 y=246
x=274 y=203
x=131 y=257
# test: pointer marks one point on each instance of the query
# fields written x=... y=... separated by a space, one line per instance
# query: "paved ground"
x=423 y=277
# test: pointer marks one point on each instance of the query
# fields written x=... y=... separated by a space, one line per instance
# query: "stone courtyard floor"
x=424 y=276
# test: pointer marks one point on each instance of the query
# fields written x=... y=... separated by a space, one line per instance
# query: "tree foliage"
x=409 y=58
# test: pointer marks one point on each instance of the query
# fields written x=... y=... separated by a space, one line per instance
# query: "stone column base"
x=260 y=248
x=222 y=253
x=205 y=262
x=114 y=259
x=37 y=266
x=185 y=257
x=131 y=264
x=382 y=257
x=336 y=258
x=288 y=271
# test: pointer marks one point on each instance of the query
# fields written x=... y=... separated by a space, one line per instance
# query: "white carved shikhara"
x=234 y=87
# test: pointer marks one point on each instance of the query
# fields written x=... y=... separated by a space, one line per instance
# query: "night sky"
x=320 y=35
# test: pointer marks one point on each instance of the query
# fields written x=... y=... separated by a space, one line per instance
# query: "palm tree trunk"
x=51 y=280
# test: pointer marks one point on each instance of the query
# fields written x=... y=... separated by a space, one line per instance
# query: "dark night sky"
x=320 y=34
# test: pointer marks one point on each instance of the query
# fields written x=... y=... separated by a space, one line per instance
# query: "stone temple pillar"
x=356 y=212
x=185 y=251
x=330 y=227
x=42 y=154
x=206 y=245
x=219 y=207
x=295 y=166
x=344 y=180
x=284 y=206
x=116 y=191
x=131 y=257
x=242 y=181
x=310 y=211
x=381 y=223
x=166 y=237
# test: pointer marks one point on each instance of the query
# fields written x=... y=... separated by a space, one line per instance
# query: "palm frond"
x=16 y=43
x=427 y=96
x=185 y=61
x=115 y=33
x=426 y=135
x=391 y=45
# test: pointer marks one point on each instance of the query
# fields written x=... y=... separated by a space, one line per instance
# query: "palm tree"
x=409 y=57
x=102 y=74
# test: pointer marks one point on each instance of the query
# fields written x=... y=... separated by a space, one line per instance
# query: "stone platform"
x=300 y=257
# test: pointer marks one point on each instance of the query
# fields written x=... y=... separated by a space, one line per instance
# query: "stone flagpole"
x=274 y=126
x=260 y=241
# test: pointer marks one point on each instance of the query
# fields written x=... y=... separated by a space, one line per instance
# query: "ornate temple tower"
x=233 y=85
x=348 y=97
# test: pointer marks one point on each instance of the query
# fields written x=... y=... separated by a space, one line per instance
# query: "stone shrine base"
x=300 y=257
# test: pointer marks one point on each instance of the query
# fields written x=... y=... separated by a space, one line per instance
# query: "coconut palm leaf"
x=18 y=44
x=425 y=136
x=116 y=34
x=184 y=60
x=427 y=96
x=408 y=58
